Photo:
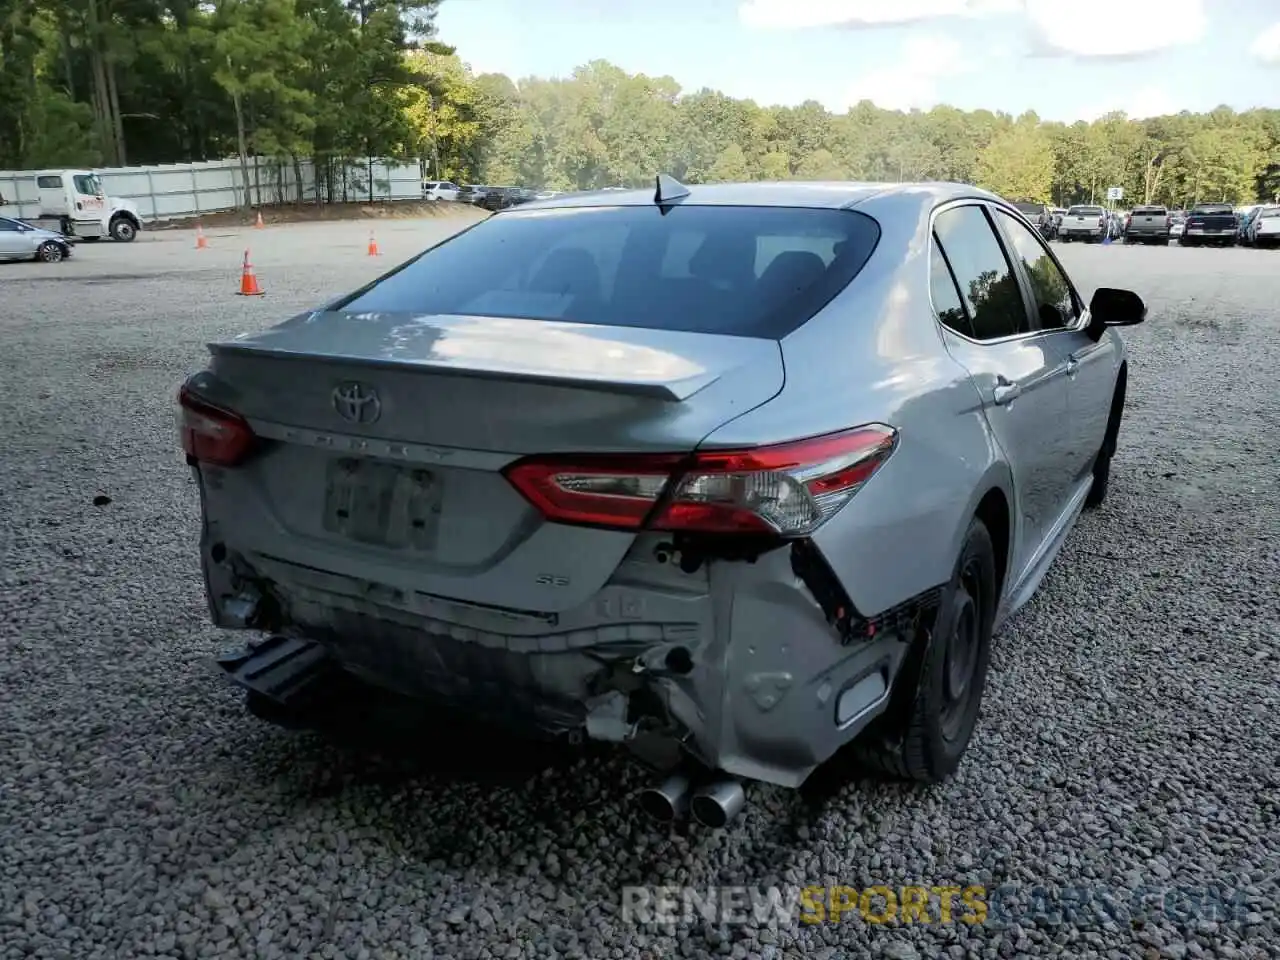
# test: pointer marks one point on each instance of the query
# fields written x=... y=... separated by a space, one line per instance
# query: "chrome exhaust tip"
x=668 y=801
x=716 y=803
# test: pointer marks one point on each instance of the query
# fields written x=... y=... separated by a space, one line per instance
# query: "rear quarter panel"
x=875 y=354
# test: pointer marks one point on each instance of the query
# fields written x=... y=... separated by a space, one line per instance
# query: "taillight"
x=211 y=434
x=786 y=490
x=1102 y=221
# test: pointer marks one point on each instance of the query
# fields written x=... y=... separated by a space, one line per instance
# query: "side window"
x=49 y=183
x=946 y=297
x=85 y=185
x=1056 y=307
x=987 y=282
x=8 y=226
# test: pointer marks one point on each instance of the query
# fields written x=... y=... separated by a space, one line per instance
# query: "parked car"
x=1150 y=224
x=1176 y=227
x=439 y=190
x=558 y=471
x=1040 y=215
x=1210 y=223
x=22 y=241
x=473 y=194
x=1243 y=220
x=1264 y=227
x=1084 y=222
x=499 y=198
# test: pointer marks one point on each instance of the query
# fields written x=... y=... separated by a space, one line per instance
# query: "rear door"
x=1020 y=372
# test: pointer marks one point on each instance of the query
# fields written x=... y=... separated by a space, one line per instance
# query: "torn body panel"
x=735 y=664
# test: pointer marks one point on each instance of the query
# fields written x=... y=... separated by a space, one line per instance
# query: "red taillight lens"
x=211 y=434
x=786 y=490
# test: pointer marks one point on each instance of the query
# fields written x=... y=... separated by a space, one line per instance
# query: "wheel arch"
x=1117 y=409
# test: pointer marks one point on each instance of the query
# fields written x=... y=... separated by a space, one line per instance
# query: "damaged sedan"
x=744 y=477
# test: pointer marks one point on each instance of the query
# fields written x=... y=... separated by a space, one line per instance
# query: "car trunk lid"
x=388 y=433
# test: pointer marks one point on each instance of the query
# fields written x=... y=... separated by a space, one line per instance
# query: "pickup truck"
x=1040 y=215
x=1148 y=225
x=1210 y=223
x=1083 y=222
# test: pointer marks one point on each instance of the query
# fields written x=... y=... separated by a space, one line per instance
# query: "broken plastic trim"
x=851 y=625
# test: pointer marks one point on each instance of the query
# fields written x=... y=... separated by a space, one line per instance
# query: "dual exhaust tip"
x=712 y=804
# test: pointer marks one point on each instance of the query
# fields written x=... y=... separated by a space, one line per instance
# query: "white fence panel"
x=176 y=190
x=19 y=193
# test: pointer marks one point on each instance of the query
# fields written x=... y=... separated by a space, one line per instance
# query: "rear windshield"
x=1085 y=212
x=1030 y=208
x=1213 y=208
x=742 y=271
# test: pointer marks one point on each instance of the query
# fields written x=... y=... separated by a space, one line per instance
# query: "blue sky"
x=1065 y=59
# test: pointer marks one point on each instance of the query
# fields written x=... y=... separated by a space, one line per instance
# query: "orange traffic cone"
x=373 y=246
x=248 y=280
x=259 y=225
x=201 y=242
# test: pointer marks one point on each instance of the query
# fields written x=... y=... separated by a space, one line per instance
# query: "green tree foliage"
x=147 y=81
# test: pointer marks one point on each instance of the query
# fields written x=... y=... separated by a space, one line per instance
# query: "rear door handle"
x=1006 y=392
x=1072 y=366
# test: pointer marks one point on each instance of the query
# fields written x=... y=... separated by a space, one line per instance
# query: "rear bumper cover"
x=746 y=672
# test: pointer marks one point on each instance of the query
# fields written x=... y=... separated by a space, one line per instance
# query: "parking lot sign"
x=1115 y=193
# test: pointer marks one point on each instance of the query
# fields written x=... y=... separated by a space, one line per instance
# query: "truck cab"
x=74 y=203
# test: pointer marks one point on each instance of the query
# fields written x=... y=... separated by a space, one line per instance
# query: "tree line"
x=113 y=82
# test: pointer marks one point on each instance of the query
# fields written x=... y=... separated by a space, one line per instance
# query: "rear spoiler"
x=674 y=390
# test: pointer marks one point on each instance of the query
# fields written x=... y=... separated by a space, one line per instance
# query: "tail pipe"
x=668 y=801
x=715 y=803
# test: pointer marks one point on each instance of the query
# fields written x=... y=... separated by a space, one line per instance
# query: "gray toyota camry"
x=739 y=476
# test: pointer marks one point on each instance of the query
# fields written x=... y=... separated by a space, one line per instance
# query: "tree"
x=730 y=166
x=108 y=81
x=1018 y=163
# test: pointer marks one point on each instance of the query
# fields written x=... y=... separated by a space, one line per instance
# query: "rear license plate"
x=384 y=504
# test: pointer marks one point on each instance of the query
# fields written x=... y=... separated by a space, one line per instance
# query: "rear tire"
x=944 y=710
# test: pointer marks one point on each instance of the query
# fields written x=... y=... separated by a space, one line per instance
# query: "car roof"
x=833 y=194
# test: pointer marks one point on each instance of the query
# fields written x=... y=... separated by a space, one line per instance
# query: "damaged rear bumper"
x=757 y=669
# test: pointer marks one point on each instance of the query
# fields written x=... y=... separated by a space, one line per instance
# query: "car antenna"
x=668 y=189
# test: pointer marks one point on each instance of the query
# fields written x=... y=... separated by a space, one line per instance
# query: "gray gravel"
x=1129 y=741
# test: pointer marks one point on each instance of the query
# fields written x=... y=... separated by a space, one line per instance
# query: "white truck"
x=73 y=203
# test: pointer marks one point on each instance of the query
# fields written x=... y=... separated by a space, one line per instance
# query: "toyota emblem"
x=357 y=403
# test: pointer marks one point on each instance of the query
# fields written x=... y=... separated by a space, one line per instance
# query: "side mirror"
x=1114 y=308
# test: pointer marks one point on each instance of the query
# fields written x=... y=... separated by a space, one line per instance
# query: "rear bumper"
x=736 y=665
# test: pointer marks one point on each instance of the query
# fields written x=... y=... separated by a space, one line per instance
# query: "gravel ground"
x=1129 y=739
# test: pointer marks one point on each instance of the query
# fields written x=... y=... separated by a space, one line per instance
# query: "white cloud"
x=1149 y=101
x=1267 y=47
x=913 y=79
x=798 y=14
x=1079 y=28
x=1115 y=28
